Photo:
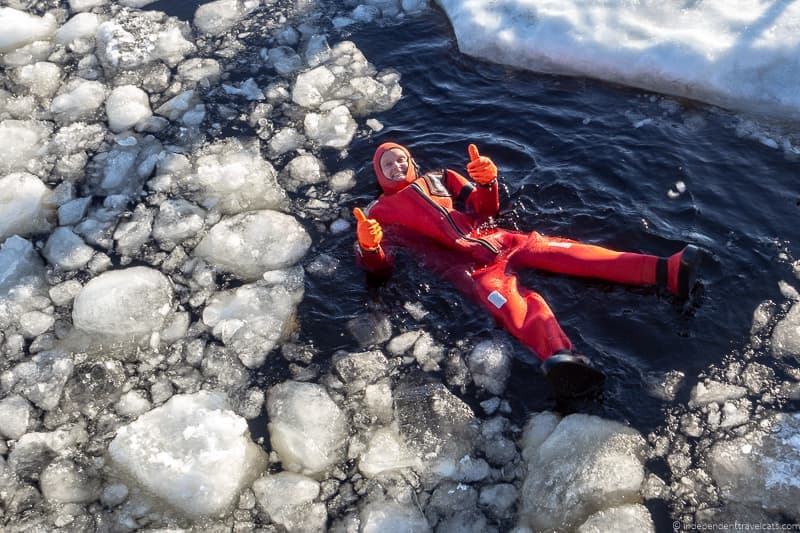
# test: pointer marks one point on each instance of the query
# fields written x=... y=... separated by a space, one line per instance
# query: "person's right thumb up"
x=368 y=230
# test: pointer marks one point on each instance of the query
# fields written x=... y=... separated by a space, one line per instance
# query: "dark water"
x=574 y=165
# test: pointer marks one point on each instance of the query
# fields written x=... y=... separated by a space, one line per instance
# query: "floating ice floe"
x=249 y=244
x=740 y=55
x=19 y=263
x=20 y=28
x=215 y=18
x=378 y=517
x=441 y=429
x=252 y=318
x=307 y=429
x=66 y=250
x=25 y=205
x=230 y=177
x=490 y=365
x=577 y=466
x=81 y=26
x=193 y=453
x=288 y=499
x=78 y=100
x=15 y=416
x=630 y=517
x=41 y=380
x=64 y=481
x=22 y=142
x=41 y=79
x=785 y=341
x=127 y=302
x=127 y=106
x=762 y=467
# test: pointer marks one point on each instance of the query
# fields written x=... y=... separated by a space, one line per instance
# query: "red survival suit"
x=442 y=218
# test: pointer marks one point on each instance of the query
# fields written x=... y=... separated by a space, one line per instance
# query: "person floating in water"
x=443 y=219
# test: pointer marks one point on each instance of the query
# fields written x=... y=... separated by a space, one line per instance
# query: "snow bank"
x=307 y=429
x=193 y=453
x=123 y=302
x=735 y=54
x=579 y=466
x=249 y=244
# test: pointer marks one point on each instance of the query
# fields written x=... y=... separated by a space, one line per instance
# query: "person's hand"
x=368 y=230
x=480 y=168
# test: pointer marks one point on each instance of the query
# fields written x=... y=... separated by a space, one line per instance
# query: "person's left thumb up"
x=480 y=168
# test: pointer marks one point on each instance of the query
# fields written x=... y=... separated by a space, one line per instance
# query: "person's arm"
x=370 y=254
x=481 y=197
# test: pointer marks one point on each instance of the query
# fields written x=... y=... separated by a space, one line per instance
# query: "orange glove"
x=368 y=230
x=480 y=168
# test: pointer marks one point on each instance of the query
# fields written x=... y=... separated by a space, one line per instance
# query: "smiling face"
x=394 y=164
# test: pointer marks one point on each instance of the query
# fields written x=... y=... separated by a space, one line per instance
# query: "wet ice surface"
x=740 y=56
x=186 y=343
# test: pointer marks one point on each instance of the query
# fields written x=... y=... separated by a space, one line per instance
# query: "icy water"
x=593 y=162
x=586 y=160
x=578 y=158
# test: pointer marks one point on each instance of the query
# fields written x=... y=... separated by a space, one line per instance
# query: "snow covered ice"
x=193 y=453
x=734 y=54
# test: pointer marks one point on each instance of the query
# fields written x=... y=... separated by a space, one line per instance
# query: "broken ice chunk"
x=15 y=416
x=215 y=18
x=490 y=365
x=307 y=429
x=633 y=517
x=287 y=499
x=380 y=517
x=66 y=250
x=79 y=100
x=252 y=318
x=249 y=244
x=22 y=142
x=193 y=453
x=24 y=205
x=761 y=468
x=123 y=302
x=126 y=106
x=586 y=463
x=334 y=128
x=20 y=28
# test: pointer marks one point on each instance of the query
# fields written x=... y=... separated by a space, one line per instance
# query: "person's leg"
x=522 y=312
x=563 y=256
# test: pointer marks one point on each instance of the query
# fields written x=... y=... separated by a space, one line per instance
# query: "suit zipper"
x=452 y=222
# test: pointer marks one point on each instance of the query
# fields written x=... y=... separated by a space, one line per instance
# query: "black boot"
x=679 y=271
x=572 y=375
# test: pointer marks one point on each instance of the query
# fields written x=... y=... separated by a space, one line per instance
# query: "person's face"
x=394 y=164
